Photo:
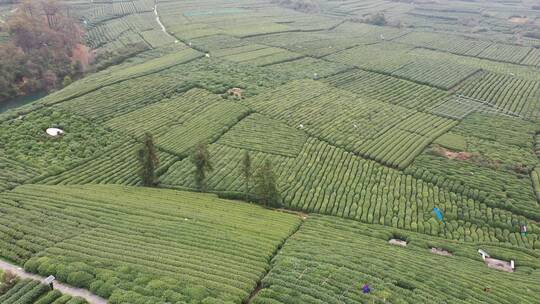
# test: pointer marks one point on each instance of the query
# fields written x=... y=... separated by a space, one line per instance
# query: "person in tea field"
x=366 y=288
x=523 y=230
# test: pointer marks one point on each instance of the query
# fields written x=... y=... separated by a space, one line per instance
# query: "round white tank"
x=54 y=132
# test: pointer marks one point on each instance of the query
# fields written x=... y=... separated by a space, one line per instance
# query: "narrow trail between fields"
x=163 y=28
x=259 y=286
x=66 y=289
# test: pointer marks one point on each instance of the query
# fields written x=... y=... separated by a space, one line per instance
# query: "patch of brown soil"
x=518 y=19
x=441 y=251
x=452 y=154
x=499 y=264
x=457 y=155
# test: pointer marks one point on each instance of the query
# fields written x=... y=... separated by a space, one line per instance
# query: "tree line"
x=260 y=183
x=44 y=50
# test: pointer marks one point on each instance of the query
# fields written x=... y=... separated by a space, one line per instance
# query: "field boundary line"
x=259 y=286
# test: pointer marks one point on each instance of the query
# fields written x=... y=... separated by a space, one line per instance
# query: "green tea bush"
x=84 y=246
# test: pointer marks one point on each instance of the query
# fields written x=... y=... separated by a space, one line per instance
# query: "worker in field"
x=524 y=230
x=366 y=288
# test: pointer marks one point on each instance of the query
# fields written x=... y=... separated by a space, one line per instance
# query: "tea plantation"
x=33 y=292
x=147 y=245
x=275 y=152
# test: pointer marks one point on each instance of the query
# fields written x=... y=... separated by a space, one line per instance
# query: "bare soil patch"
x=519 y=19
x=441 y=251
x=453 y=154
x=499 y=264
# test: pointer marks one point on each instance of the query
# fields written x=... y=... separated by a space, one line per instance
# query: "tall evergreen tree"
x=246 y=172
x=201 y=160
x=148 y=161
x=266 y=185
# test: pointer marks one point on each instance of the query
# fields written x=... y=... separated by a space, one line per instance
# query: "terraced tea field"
x=187 y=232
x=33 y=292
x=330 y=260
x=359 y=122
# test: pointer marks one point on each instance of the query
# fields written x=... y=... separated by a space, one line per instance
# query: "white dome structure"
x=54 y=132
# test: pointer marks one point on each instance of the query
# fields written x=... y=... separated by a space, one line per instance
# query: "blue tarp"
x=439 y=214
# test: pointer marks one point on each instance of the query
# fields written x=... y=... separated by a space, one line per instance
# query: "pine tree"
x=148 y=161
x=201 y=160
x=266 y=185
x=246 y=172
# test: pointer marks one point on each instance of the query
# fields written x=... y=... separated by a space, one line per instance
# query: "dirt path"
x=259 y=286
x=159 y=21
x=72 y=291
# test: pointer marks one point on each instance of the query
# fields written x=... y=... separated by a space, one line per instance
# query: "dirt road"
x=66 y=289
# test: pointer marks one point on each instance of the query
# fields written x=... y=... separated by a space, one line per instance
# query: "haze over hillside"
x=269 y=151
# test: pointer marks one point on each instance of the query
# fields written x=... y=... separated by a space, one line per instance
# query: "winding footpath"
x=163 y=28
x=66 y=289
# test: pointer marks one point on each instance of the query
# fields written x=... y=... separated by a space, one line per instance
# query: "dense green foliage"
x=329 y=260
x=247 y=172
x=265 y=187
x=44 y=45
x=104 y=239
x=312 y=111
x=507 y=93
x=500 y=158
x=148 y=161
x=24 y=141
x=390 y=134
x=113 y=166
x=376 y=194
x=33 y=292
x=258 y=133
x=203 y=165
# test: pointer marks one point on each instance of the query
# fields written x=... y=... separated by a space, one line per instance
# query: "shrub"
x=32 y=265
x=80 y=279
x=9 y=279
x=50 y=297
x=377 y=19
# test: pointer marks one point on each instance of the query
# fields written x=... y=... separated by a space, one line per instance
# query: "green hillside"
x=135 y=245
x=357 y=121
x=329 y=260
